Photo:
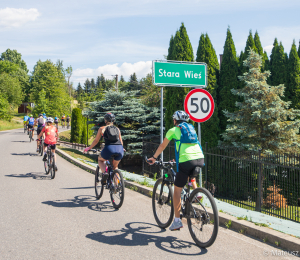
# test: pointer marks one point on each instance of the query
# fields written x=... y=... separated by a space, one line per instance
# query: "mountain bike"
x=50 y=163
x=30 y=134
x=112 y=180
x=41 y=146
x=198 y=207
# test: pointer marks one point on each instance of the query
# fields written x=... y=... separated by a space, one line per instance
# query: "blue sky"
x=124 y=36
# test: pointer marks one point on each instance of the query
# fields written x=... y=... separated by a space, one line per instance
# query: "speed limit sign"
x=199 y=104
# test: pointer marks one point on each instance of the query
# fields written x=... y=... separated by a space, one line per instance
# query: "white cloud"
x=141 y=68
x=12 y=17
x=286 y=35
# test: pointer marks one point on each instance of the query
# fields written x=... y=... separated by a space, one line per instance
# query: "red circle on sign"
x=211 y=101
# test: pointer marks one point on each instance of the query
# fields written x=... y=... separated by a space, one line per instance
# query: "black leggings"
x=186 y=170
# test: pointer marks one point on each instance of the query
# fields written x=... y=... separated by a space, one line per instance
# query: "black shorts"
x=39 y=129
x=52 y=146
x=30 y=126
x=63 y=120
x=186 y=170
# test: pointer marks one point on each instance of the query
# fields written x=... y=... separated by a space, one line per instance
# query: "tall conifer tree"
x=293 y=78
x=299 y=50
x=228 y=80
x=181 y=50
x=261 y=121
x=278 y=64
x=206 y=53
x=260 y=51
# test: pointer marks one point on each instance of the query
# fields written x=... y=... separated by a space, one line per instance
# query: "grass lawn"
x=291 y=212
x=65 y=136
x=77 y=154
x=14 y=124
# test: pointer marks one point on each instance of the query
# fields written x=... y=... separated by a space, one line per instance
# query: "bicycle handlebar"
x=161 y=163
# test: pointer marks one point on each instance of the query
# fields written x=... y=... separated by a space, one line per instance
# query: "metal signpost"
x=178 y=74
x=200 y=106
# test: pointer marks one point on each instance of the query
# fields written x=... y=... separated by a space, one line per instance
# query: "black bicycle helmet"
x=109 y=117
x=181 y=116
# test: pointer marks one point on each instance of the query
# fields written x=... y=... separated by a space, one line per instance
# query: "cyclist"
x=113 y=143
x=190 y=156
x=63 y=119
x=68 y=120
x=56 y=121
x=40 y=122
x=51 y=136
x=26 y=117
x=30 y=123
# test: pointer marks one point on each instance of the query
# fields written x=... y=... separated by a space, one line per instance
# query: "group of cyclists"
x=45 y=130
x=190 y=155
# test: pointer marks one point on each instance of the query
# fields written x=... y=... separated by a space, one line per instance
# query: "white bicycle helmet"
x=50 y=120
x=181 y=116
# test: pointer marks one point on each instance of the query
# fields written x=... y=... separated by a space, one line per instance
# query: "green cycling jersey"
x=187 y=152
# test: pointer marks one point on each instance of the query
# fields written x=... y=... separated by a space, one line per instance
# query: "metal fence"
x=251 y=180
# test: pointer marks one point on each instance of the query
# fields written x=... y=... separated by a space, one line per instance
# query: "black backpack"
x=111 y=133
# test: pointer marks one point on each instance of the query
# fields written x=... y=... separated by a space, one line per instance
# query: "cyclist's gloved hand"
x=86 y=149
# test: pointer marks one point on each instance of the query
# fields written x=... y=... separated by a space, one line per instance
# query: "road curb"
x=286 y=242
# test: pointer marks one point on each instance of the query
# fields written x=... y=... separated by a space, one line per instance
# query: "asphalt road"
x=42 y=218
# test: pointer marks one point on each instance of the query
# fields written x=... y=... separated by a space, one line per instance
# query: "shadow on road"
x=20 y=141
x=82 y=201
x=79 y=188
x=141 y=234
x=25 y=154
x=33 y=175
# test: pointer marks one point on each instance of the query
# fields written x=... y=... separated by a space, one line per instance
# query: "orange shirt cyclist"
x=51 y=136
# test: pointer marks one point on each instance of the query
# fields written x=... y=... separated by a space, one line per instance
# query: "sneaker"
x=37 y=150
x=55 y=168
x=45 y=158
x=176 y=225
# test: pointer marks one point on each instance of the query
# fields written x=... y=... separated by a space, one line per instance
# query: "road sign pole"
x=162 y=122
x=199 y=138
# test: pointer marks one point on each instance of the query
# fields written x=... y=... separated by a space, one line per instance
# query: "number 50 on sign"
x=199 y=104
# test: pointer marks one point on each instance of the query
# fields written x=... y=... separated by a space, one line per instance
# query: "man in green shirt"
x=190 y=156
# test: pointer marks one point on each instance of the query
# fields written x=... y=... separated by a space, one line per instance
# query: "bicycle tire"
x=41 y=147
x=30 y=135
x=203 y=220
x=52 y=168
x=24 y=128
x=46 y=165
x=118 y=188
x=166 y=203
x=99 y=187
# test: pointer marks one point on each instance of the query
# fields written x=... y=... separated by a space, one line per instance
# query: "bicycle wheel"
x=202 y=217
x=162 y=203
x=52 y=168
x=41 y=147
x=117 y=189
x=46 y=165
x=99 y=187
x=30 y=135
x=24 y=128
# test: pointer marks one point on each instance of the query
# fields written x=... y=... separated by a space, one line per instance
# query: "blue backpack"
x=31 y=121
x=188 y=136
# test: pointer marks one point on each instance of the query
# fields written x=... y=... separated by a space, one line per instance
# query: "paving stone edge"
x=287 y=242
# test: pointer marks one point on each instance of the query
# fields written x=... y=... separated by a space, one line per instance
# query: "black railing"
x=251 y=180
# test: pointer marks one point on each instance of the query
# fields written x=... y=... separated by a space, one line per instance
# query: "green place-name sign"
x=179 y=73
